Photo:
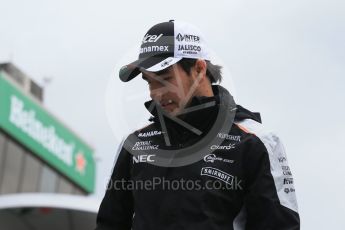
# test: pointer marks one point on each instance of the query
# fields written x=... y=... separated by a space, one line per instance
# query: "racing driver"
x=202 y=162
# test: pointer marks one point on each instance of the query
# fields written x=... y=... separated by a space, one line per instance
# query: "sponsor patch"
x=187 y=38
x=212 y=158
x=167 y=62
x=150 y=134
x=229 y=137
x=226 y=147
x=288 y=180
x=143 y=158
x=218 y=174
x=288 y=190
x=189 y=49
x=151 y=38
x=282 y=159
x=286 y=170
x=144 y=145
x=154 y=49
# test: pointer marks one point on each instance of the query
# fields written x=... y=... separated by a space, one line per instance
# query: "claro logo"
x=143 y=158
x=227 y=147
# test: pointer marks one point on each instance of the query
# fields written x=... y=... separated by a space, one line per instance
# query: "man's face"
x=173 y=89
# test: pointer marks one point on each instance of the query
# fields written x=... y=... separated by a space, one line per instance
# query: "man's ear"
x=200 y=67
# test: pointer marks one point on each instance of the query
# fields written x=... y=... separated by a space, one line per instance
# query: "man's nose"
x=156 y=93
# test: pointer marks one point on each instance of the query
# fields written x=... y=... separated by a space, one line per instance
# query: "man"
x=204 y=162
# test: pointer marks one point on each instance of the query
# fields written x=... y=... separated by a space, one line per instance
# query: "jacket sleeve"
x=116 y=209
x=270 y=201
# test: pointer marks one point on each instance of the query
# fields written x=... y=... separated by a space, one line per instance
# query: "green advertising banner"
x=30 y=124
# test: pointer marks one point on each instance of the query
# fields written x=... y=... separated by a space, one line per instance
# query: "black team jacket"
x=243 y=183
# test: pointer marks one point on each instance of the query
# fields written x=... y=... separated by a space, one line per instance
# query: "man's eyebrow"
x=145 y=77
x=161 y=77
x=167 y=75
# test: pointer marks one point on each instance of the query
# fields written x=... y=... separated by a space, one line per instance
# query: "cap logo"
x=166 y=62
x=154 y=49
x=165 y=44
x=151 y=38
x=189 y=49
x=187 y=38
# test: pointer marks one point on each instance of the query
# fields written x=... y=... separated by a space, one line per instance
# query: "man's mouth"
x=167 y=103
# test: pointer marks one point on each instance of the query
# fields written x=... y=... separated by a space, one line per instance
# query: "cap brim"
x=151 y=64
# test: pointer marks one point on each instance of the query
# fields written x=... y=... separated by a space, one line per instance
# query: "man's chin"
x=176 y=111
x=173 y=112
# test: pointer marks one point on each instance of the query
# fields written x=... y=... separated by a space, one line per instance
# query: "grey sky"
x=286 y=59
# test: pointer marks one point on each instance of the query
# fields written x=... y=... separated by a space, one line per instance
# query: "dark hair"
x=213 y=72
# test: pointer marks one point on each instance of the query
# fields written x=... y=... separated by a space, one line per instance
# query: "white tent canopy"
x=47 y=211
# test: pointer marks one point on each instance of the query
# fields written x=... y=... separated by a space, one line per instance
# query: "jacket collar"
x=202 y=118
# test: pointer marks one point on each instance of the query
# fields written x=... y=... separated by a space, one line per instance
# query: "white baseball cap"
x=165 y=44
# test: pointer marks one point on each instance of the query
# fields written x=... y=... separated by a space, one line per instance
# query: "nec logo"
x=143 y=158
x=151 y=38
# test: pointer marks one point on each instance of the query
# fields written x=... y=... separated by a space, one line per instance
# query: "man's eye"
x=166 y=79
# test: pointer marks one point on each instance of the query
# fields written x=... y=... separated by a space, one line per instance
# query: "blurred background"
x=58 y=65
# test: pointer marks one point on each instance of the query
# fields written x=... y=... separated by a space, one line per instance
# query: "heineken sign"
x=27 y=122
x=30 y=124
